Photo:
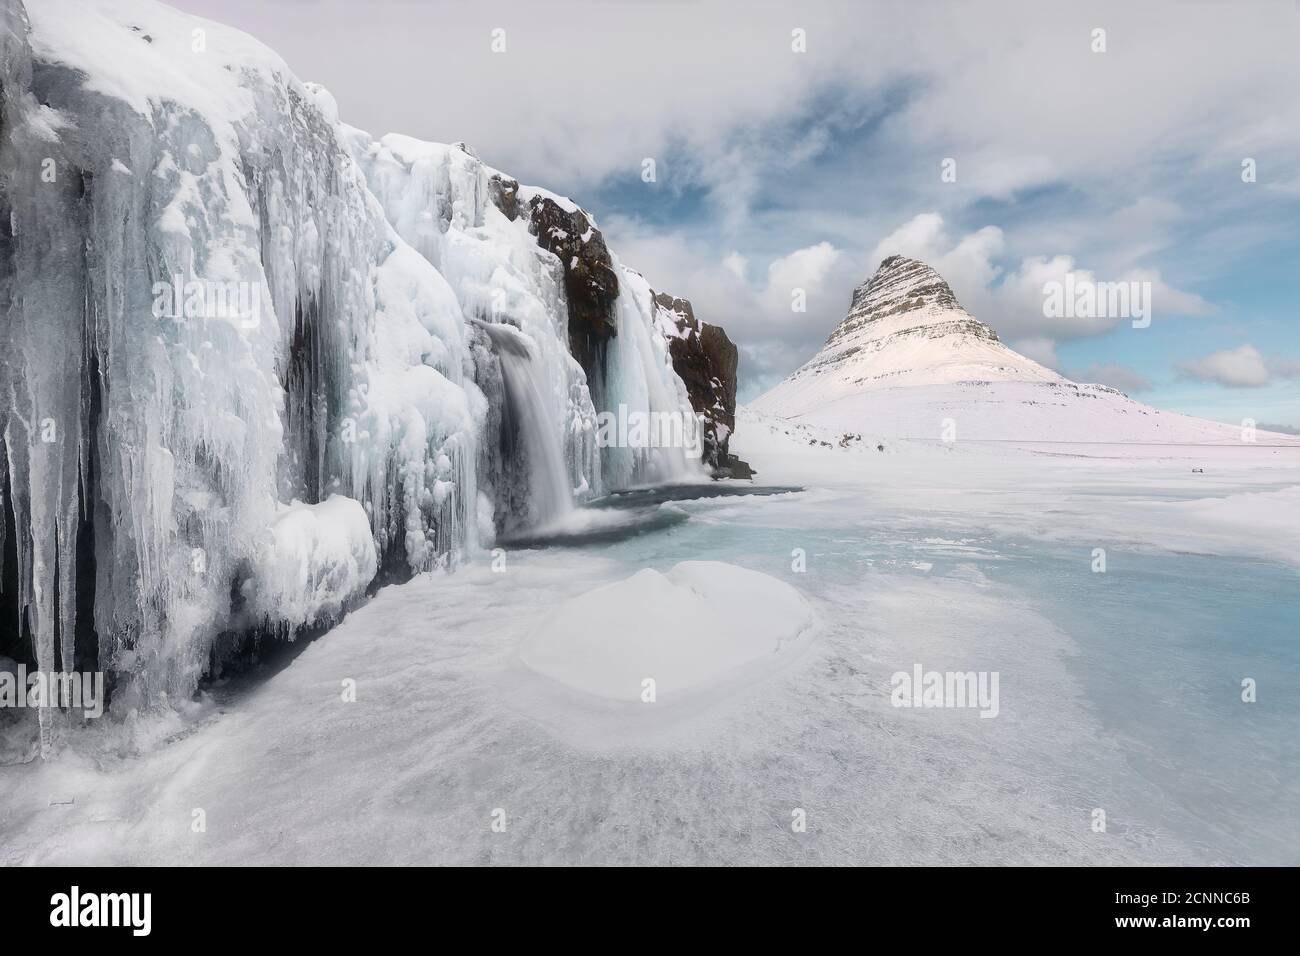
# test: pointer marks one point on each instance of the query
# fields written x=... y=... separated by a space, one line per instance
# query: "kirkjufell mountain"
x=905 y=327
x=908 y=361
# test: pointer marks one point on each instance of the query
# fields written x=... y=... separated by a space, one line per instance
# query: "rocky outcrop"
x=504 y=193
x=703 y=356
x=590 y=283
x=705 y=359
x=905 y=287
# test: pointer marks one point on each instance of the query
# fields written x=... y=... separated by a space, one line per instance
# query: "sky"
x=795 y=145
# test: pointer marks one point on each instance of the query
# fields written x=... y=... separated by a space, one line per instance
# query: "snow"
x=685 y=630
x=1241 y=502
x=1117 y=690
x=1024 y=412
x=889 y=359
x=106 y=40
x=320 y=559
x=528 y=193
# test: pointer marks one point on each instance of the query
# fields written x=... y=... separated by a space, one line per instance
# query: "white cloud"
x=1012 y=302
x=736 y=264
x=773 y=339
x=803 y=269
x=1012 y=91
x=1242 y=367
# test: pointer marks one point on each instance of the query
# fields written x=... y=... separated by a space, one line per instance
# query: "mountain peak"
x=901 y=284
x=904 y=327
x=900 y=287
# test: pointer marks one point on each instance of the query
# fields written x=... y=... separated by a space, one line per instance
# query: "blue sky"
x=779 y=169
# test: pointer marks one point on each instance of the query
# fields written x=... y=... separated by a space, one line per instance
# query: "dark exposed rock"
x=590 y=283
x=902 y=286
x=504 y=193
x=734 y=468
x=702 y=354
x=705 y=360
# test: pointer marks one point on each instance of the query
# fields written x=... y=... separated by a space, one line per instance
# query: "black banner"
x=139 y=906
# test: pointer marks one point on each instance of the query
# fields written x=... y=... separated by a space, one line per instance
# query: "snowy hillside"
x=909 y=362
x=231 y=319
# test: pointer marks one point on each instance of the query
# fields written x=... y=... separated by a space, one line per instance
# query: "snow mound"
x=320 y=558
x=688 y=628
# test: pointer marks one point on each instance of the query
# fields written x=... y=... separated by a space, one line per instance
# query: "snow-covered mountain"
x=909 y=362
x=251 y=356
x=905 y=327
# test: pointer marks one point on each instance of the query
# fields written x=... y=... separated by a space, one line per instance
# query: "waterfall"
x=529 y=413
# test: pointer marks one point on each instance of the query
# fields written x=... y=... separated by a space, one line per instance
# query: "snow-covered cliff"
x=241 y=337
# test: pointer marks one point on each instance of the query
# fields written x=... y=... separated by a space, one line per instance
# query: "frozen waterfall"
x=528 y=422
x=242 y=355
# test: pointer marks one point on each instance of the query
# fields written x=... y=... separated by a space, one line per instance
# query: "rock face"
x=905 y=327
x=590 y=282
x=504 y=193
x=705 y=360
x=703 y=356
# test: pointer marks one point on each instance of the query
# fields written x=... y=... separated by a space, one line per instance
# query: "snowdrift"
x=683 y=630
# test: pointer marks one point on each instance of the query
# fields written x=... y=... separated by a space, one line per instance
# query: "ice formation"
x=221 y=303
x=321 y=557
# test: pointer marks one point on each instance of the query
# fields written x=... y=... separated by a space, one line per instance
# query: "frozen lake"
x=1119 y=691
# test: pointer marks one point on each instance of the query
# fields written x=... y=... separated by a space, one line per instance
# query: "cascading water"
x=638 y=378
x=529 y=418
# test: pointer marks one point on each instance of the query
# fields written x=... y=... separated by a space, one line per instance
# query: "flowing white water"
x=550 y=496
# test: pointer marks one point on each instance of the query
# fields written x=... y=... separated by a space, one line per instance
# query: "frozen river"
x=1120 y=691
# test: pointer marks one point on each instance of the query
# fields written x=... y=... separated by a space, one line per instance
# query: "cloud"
x=736 y=264
x=1012 y=302
x=804 y=270
x=1242 y=367
x=1013 y=92
x=773 y=338
x=1120 y=165
x=1115 y=375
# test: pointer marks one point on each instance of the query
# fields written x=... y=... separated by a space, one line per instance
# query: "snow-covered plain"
x=1119 y=690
